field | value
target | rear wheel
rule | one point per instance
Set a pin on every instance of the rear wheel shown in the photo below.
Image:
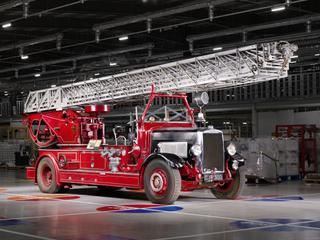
(231, 189)
(162, 184)
(46, 177)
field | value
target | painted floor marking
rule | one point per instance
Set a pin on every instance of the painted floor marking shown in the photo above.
(214, 233)
(236, 230)
(140, 208)
(25, 234)
(178, 237)
(183, 213)
(154, 210)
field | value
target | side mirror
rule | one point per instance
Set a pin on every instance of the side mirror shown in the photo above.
(201, 99)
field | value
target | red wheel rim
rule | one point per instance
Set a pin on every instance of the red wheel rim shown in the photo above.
(159, 181)
(46, 175)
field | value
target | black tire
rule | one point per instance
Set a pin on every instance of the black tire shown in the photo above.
(46, 177)
(108, 188)
(232, 189)
(162, 184)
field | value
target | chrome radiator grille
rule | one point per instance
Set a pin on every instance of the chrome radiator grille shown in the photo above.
(213, 151)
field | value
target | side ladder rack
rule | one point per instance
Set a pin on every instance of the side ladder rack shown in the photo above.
(246, 65)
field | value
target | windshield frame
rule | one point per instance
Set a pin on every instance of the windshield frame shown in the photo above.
(183, 97)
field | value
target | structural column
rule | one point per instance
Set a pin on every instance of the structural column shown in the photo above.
(254, 121)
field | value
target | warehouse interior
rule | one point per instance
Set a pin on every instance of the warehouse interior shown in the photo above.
(101, 52)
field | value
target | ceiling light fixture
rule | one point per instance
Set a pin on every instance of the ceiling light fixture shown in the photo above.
(113, 64)
(97, 74)
(217, 49)
(278, 8)
(317, 55)
(294, 56)
(37, 75)
(123, 38)
(24, 57)
(53, 85)
(6, 25)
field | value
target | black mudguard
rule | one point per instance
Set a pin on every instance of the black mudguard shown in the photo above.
(173, 160)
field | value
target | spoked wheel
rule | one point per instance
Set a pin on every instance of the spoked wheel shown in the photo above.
(231, 189)
(162, 184)
(46, 177)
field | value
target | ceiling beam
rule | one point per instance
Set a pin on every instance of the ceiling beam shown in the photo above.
(82, 57)
(251, 28)
(22, 44)
(13, 4)
(162, 13)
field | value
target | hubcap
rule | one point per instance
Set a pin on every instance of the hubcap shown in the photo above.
(158, 181)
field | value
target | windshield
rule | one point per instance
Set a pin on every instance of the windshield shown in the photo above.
(167, 109)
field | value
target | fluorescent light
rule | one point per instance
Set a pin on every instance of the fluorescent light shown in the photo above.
(217, 49)
(5, 91)
(293, 62)
(123, 38)
(6, 25)
(6, 94)
(294, 56)
(112, 64)
(244, 123)
(278, 8)
(53, 85)
(24, 57)
(97, 74)
(37, 75)
(317, 55)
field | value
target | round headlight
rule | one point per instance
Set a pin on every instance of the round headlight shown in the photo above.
(232, 150)
(196, 150)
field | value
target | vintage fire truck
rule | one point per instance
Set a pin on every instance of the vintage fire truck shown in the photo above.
(162, 150)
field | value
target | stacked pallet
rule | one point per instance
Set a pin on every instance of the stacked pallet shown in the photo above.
(288, 157)
(270, 158)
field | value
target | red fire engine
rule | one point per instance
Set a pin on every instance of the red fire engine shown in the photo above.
(163, 152)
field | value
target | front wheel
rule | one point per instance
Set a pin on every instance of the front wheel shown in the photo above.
(162, 184)
(46, 177)
(231, 189)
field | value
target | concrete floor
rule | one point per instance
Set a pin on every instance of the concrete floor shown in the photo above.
(290, 210)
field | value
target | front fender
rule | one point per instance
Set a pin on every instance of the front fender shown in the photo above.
(173, 160)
